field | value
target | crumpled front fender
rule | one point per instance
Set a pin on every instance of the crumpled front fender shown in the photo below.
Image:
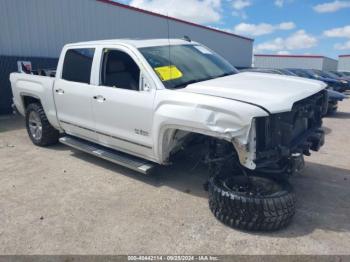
(225, 119)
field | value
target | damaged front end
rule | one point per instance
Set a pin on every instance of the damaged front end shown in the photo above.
(282, 139)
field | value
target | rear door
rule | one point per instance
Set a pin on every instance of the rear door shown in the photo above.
(123, 103)
(73, 94)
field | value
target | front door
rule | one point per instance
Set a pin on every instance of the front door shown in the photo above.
(74, 94)
(123, 105)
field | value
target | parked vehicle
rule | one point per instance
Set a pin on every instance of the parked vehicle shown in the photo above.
(140, 102)
(340, 75)
(309, 73)
(333, 96)
(342, 80)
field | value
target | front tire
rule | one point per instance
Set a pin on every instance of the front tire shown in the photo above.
(40, 131)
(262, 204)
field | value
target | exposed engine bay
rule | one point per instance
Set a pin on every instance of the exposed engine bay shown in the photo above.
(281, 140)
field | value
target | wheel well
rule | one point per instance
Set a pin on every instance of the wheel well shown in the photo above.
(27, 100)
(219, 154)
(179, 140)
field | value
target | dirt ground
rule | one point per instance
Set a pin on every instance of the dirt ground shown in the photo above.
(61, 201)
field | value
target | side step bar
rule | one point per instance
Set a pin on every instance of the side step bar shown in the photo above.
(117, 157)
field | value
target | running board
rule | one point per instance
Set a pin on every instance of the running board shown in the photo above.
(117, 157)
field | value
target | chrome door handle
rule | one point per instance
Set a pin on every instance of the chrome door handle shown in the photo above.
(59, 91)
(99, 98)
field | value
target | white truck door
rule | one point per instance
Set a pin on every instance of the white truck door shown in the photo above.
(73, 94)
(123, 104)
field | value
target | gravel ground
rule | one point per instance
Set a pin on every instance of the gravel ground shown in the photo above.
(61, 201)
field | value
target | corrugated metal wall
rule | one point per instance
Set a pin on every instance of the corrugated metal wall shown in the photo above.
(306, 62)
(344, 63)
(287, 62)
(329, 64)
(41, 27)
(8, 64)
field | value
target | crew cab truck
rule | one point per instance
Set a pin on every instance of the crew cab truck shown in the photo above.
(139, 102)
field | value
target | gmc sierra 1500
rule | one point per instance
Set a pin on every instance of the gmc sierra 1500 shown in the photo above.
(138, 102)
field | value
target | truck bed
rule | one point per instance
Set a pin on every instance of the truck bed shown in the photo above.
(38, 86)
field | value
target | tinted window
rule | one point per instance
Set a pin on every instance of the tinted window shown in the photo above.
(77, 65)
(119, 70)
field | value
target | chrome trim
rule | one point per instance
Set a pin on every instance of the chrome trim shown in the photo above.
(104, 134)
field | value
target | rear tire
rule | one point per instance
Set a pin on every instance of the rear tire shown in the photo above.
(251, 209)
(40, 131)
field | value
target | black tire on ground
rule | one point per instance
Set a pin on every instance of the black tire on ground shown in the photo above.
(49, 135)
(267, 207)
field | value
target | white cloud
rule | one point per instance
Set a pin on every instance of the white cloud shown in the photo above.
(198, 11)
(344, 46)
(296, 41)
(283, 52)
(330, 7)
(262, 29)
(286, 26)
(241, 4)
(338, 32)
(279, 3)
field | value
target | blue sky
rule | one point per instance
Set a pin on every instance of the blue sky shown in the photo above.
(278, 26)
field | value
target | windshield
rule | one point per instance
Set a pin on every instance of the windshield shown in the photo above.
(180, 65)
(337, 73)
(320, 73)
(301, 73)
(332, 75)
(287, 72)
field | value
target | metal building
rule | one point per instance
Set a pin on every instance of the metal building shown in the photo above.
(344, 63)
(39, 28)
(295, 61)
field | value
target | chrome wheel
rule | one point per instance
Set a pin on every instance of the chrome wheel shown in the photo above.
(35, 125)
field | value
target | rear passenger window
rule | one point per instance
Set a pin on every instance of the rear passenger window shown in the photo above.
(77, 65)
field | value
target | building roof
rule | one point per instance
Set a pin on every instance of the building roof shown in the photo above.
(172, 18)
(294, 56)
(344, 56)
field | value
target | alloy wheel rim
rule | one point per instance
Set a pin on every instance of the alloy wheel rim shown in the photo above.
(35, 125)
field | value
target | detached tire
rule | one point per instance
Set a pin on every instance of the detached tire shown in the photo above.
(40, 131)
(262, 205)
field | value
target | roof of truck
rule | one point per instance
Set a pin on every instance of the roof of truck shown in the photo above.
(138, 43)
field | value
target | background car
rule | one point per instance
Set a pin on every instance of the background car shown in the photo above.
(343, 80)
(333, 96)
(333, 84)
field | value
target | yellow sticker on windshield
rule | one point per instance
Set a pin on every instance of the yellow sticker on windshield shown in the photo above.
(167, 73)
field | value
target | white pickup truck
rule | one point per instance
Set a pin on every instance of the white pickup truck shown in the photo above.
(139, 102)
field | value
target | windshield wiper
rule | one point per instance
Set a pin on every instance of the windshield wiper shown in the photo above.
(183, 85)
(225, 74)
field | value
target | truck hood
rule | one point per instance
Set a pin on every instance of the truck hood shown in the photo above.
(274, 93)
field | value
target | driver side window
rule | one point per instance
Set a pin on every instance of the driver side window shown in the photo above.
(119, 70)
